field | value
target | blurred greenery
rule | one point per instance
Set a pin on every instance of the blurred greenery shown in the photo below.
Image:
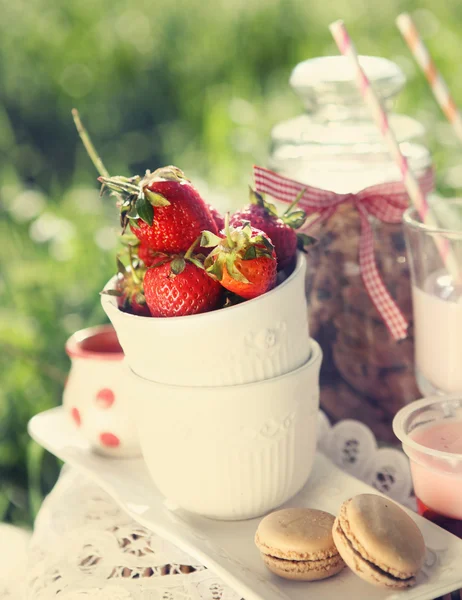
(185, 82)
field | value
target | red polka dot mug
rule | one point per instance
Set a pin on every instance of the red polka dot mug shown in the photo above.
(96, 396)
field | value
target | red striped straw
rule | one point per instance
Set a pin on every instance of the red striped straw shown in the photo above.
(423, 58)
(346, 47)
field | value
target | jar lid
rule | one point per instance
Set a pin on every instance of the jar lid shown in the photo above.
(331, 80)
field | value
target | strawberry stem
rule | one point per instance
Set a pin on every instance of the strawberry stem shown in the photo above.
(86, 140)
(190, 250)
(295, 202)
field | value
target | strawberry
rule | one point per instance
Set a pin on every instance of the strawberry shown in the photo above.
(165, 212)
(148, 256)
(180, 216)
(129, 288)
(243, 259)
(217, 217)
(263, 215)
(180, 286)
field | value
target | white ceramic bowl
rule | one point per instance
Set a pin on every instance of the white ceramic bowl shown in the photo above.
(97, 395)
(256, 340)
(232, 452)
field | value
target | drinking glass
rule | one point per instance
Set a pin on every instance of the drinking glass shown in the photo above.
(437, 297)
(431, 433)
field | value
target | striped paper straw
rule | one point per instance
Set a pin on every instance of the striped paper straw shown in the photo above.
(423, 58)
(346, 47)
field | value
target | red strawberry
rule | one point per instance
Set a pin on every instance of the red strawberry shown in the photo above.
(164, 210)
(243, 260)
(181, 214)
(129, 288)
(217, 217)
(148, 256)
(181, 286)
(263, 215)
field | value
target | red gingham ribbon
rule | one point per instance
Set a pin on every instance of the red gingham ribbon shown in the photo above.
(386, 201)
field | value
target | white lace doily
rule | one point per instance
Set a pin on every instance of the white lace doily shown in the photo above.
(84, 547)
(352, 446)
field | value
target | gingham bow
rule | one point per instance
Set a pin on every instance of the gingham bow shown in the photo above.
(386, 202)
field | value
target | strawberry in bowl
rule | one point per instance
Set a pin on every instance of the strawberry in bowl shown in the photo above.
(263, 215)
(163, 209)
(167, 304)
(178, 285)
(243, 259)
(128, 287)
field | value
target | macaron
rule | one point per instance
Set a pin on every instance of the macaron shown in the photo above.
(296, 543)
(379, 541)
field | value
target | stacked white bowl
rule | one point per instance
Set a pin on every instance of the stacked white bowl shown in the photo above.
(226, 402)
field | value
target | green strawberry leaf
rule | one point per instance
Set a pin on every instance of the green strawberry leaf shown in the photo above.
(255, 197)
(155, 199)
(293, 204)
(111, 293)
(262, 239)
(304, 240)
(271, 209)
(259, 200)
(119, 184)
(144, 210)
(120, 266)
(196, 262)
(210, 259)
(264, 253)
(232, 270)
(126, 206)
(246, 229)
(133, 223)
(295, 219)
(209, 239)
(132, 214)
(177, 265)
(170, 173)
(216, 268)
(250, 253)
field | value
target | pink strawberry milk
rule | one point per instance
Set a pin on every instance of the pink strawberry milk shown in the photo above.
(431, 433)
(438, 488)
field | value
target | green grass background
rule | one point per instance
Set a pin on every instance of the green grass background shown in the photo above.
(197, 84)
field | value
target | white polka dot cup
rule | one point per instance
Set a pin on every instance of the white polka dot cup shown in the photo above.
(96, 396)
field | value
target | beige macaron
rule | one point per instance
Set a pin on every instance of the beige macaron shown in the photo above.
(296, 543)
(379, 541)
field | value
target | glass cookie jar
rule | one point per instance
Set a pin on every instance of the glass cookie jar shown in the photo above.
(335, 145)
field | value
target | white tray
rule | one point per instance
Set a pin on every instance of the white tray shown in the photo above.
(228, 548)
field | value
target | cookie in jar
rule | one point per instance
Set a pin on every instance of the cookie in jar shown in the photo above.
(358, 282)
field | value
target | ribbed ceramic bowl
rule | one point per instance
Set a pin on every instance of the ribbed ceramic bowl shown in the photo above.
(253, 341)
(232, 452)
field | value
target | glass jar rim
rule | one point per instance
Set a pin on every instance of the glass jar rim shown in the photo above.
(410, 221)
(403, 415)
